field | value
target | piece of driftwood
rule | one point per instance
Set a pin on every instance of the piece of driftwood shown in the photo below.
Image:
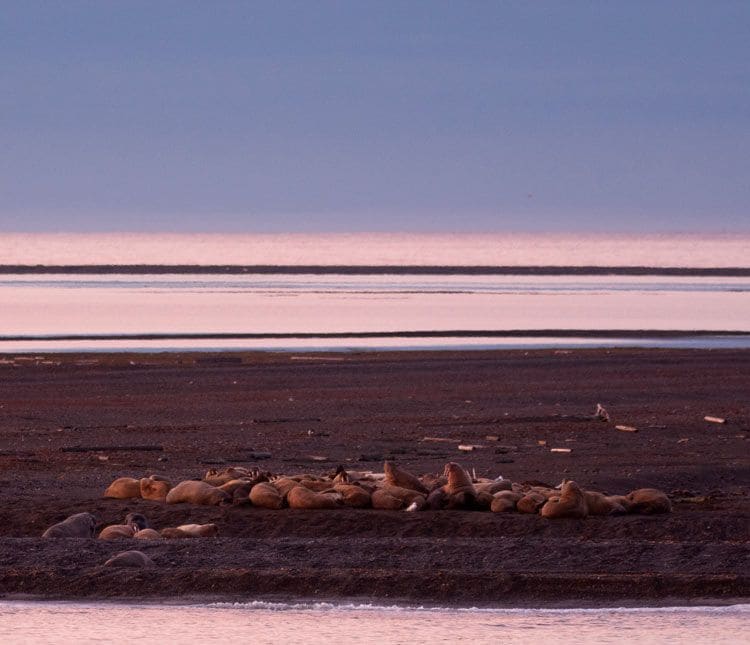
(601, 413)
(626, 428)
(560, 450)
(150, 448)
(438, 439)
(714, 419)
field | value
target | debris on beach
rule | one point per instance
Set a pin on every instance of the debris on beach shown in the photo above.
(601, 413)
(626, 428)
(711, 419)
(560, 450)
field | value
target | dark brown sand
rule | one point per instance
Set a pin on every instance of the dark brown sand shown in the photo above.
(70, 424)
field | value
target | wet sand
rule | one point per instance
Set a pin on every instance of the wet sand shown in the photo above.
(71, 423)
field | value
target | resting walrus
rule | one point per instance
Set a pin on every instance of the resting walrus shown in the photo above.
(124, 488)
(199, 530)
(195, 492)
(266, 495)
(302, 497)
(600, 504)
(155, 488)
(571, 503)
(117, 532)
(648, 501)
(80, 525)
(505, 501)
(129, 559)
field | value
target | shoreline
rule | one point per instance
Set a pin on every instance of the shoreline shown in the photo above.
(69, 426)
(373, 269)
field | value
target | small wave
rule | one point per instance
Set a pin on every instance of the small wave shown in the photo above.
(262, 605)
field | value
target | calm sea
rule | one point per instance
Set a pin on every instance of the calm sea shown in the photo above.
(355, 291)
(262, 622)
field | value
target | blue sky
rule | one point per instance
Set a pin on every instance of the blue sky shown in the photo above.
(364, 116)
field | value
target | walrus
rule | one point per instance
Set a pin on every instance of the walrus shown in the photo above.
(531, 502)
(600, 504)
(571, 503)
(80, 525)
(137, 521)
(284, 485)
(384, 501)
(124, 488)
(437, 499)
(505, 501)
(493, 486)
(130, 559)
(302, 497)
(648, 501)
(353, 495)
(147, 534)
(171, 533)
(458, 480)
(216, 477)
(317, 485)
(396, 476)
(117, 532)
(266, 495)
(233, 485)
(241, 494)
(406, 495)
(154, 488)
(199, 530)
(195, 492)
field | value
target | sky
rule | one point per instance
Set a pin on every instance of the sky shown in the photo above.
(388, 115)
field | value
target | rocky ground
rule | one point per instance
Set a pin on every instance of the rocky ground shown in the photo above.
(70, 424)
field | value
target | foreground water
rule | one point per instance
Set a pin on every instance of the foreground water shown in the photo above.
(262, 622)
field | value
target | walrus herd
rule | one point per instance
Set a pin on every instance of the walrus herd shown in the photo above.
(393, 489)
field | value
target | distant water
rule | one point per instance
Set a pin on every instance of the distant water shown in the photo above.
(287, 310)
(262, 622)
(397, 249)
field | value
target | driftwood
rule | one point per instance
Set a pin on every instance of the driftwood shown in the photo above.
(626, 428)
(438, 439)
(715, 419)
(559, 450)
(151, 448)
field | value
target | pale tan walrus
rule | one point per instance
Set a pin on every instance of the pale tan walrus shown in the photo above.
(124, 488)
(384, 501)
(505, 501)
(199, 530)
(353, 495)
(154, 488)
(80, 525)
(301, 497)
(195, 492)
(648, 501)
(266, 495)
(147, 534)
(117, 532)
(600, 504)
(130, 559)
(396, 476)
(218, 477)
(571, 503)
(284, 485)
(531, 502)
